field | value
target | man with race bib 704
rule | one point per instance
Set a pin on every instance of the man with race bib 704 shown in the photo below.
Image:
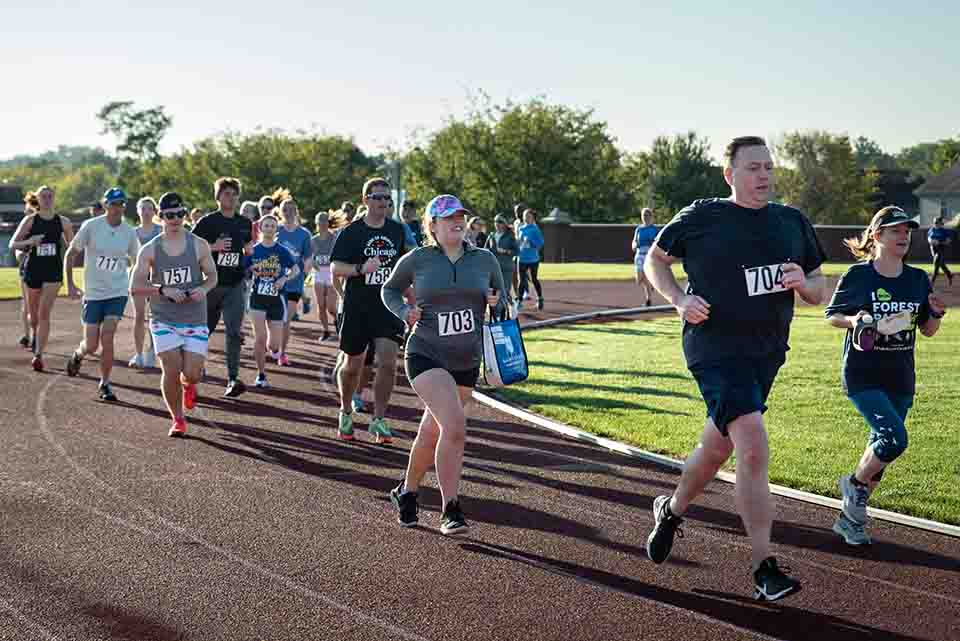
(744, 257)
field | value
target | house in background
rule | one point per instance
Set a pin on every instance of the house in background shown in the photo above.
(940, 196)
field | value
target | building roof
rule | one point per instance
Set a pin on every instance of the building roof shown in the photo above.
(946, 183)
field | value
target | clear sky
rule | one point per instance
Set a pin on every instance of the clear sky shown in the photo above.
(378, 71)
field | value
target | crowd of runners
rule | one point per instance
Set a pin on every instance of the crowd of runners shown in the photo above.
(422, 286)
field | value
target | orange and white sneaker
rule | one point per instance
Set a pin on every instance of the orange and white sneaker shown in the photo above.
(189, 395)
(179, 428)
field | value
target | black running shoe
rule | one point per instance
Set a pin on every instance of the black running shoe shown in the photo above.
(452, 521)
(25, 342)
(406, 504)
(73, 364)
(33, 344)
(106, 394)
(235, 388)
(771, 582)
(540, 304)
(665, 526)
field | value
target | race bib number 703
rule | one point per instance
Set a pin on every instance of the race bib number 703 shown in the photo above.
(766, 279)
(453, 323)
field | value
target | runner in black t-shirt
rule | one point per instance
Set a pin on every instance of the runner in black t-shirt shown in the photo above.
(881, 302)
(231, 237)
(365, 253)
(744, 258)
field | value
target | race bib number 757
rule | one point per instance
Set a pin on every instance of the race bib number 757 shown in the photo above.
(766, 279)
(176, 276)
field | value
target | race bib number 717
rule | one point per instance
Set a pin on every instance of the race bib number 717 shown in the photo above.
(109, 263)
(766, 279)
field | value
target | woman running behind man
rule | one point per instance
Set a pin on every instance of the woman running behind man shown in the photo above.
(881, 302)
(454, 283)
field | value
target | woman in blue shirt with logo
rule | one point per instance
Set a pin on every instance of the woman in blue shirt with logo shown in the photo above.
(531, 242)
(881, 302)
(643, 237)
(939, 239)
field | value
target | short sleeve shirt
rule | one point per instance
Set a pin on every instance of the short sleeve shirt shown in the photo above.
(732, 256)
(271, 263)
(359, 242)
(108, 254)
(890, 364)
(643, 236)
(239, 230)
(298, 244)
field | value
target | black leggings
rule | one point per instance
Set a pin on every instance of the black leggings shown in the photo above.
(940, 262)
(533, 268)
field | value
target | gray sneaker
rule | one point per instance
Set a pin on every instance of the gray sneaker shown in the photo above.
(854, 499)
(853, 533)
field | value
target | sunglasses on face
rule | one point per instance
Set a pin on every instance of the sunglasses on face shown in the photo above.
(384, 197)
(170, 215)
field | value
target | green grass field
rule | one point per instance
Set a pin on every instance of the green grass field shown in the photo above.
(628, 381)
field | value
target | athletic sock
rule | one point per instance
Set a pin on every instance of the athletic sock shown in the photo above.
(853, 479)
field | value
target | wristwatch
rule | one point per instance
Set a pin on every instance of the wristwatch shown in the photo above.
(937, 316)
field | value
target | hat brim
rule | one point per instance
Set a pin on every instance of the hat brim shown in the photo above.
(454, 212)
(913, 224)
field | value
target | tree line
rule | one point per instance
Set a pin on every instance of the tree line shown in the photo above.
(542, 154)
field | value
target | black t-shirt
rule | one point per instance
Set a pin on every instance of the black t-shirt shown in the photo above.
(732, 256)
(889, 365)
(359, 242)
(214, 226)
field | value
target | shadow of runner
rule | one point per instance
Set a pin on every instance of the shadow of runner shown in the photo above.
(776, 620)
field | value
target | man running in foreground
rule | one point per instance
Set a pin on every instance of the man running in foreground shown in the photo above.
(744, 257)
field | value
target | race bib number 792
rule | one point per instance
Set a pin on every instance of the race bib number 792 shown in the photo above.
(228, 259)
(766, 279)
(453, 323)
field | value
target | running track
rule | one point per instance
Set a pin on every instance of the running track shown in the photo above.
(262, 525)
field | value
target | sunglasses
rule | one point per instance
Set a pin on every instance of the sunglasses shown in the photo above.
(386, 197)
(170, 215)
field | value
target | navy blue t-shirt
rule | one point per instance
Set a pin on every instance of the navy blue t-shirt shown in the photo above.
(889, 365)
(271, 263)
(732, 256)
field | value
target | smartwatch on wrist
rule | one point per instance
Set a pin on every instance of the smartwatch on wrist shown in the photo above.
(160, 291)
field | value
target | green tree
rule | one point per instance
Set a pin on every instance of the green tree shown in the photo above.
(869, 155)
(821, 178)
(139, 131)
(928, 159)
(542, 154)
(675, 172)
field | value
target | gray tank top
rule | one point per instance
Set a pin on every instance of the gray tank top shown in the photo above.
(177, 271)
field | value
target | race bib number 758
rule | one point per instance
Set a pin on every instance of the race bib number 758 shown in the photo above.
(378, 277)
(453, 323)
(766, 279)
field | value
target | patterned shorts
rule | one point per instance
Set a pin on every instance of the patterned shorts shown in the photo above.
(168, 336)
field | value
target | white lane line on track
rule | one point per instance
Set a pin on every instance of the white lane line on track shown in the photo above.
(359, 615)
(33, 625)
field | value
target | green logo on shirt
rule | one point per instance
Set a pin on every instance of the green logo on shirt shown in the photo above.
(883, 295)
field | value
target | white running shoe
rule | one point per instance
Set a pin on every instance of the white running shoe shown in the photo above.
(136, 361)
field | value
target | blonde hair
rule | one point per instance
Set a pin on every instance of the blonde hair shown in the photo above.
(428, 238)
(864, 247)
(146, 200)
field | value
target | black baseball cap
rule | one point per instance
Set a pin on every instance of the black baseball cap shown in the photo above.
(890, 216)
(171, 201)
(97, 204)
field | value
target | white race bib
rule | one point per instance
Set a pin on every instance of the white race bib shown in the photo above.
(321, 259)
(453, 323)
(228, 259)
(177, 276)
(110, 264)
(766, 279)
(47, 249)
(266, 288)
(378, 277)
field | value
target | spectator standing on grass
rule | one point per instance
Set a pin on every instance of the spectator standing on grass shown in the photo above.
(643, 237)
(530, 239)
(744, 257)
(881, 302)
(504, 246)
(940, 238)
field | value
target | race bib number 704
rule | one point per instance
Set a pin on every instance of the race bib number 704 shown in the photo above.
(766, 279)
(453, 323)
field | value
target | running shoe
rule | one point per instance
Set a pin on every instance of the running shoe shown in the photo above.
(540, 304)
(406, 504)
(452, 520)
(666, 525)
(25, 342)
(136, 361)
(380, 431)
(261, 381)
(235, 388)
(306, 306)
(357, 403)
(179, 428)
(325, 337)
(189, 395)
(283, 360)
(649, 302)
(105, 392)
(37, 363)
(73, 364)
(854, 499)
(149, 359)
(852, 532)
(296, 316)
(345, 428)
(771, 582)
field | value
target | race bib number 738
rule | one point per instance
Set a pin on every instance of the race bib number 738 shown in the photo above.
(453, 323)
(766, 279)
